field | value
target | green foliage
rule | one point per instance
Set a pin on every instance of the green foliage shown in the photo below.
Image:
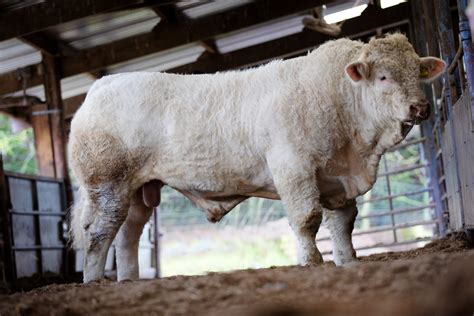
(226, 255)
(18, 149)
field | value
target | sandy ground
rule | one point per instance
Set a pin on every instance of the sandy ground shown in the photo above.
(435, 280)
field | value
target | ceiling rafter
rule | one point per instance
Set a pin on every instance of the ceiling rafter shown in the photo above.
(168, 36)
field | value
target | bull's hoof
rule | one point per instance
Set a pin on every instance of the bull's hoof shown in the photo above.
(314, 260)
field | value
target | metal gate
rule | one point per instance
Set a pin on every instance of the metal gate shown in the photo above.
(34, 229)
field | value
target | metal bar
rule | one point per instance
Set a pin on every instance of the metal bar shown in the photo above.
(406, 144)
(37, 213)
(156, 241)
(30, 177)
(383, 245)
(37, 226)
(454, 63)
(397, 211)
(388, 228)
(46, 112)
(390, 201)
(401, 170)
(37, 247)
(395, 196)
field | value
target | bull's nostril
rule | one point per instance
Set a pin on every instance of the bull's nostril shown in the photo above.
(414, 110)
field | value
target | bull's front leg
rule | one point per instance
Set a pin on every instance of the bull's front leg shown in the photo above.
(295, 181)
(340, 223)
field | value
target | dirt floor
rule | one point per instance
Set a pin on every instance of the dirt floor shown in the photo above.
(435, 280)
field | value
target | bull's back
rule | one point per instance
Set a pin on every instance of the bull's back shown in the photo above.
(188, 128)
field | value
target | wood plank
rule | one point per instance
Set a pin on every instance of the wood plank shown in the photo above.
(32, 19)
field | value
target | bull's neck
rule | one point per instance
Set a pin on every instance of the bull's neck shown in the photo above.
(372, 135)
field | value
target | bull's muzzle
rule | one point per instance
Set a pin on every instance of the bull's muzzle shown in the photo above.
(420, 111)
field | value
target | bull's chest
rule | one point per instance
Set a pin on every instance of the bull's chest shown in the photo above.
(346, 175)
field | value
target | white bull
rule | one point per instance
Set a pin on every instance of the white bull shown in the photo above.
(309, 131)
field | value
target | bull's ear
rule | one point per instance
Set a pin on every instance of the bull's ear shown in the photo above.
(357, 71)
(431, 68)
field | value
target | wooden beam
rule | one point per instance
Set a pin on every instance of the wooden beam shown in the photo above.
(8, 102)
(12, 81)
(371, 19)
(35, 18)
(169, 14)
(49, 45)
(72, 104)
(170, 36)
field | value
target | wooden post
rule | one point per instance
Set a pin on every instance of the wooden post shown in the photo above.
(54, 101)
(43, 141)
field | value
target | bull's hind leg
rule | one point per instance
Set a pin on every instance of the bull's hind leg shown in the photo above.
(340, 223)
(105, 212)
(128, 238)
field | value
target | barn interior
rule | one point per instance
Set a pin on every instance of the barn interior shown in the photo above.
(414, 229)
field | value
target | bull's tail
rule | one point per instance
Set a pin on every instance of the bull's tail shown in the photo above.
(76, 238)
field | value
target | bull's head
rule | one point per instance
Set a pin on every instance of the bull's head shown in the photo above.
(388, 73)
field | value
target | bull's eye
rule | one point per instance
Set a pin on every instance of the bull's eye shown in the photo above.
(382, 78)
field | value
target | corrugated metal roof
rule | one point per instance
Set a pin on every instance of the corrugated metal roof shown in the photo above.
(160, 61)
(105, 28)
(15, 54)
(76, 85)
(198, 11)
(260, 33)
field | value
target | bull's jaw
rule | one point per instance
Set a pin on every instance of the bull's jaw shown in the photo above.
(406, 127)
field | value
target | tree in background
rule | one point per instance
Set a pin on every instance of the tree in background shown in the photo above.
(18, 150)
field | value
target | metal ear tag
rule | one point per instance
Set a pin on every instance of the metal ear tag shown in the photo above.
(424, 72)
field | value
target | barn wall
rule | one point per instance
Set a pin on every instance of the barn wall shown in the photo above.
(461, 146)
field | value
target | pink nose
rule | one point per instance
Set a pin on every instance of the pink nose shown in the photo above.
(420, 110)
